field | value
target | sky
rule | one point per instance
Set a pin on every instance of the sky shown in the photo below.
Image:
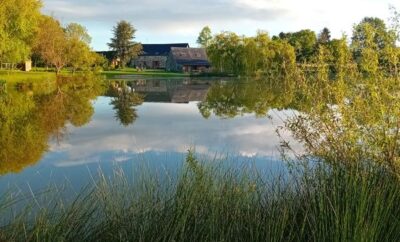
(180, 21)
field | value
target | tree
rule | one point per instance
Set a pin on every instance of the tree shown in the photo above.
(304, 43)
(64, 47)
(324, 37)
(77, 32)
(79, 54)
(372, 33)
(226, 52)
(342, 60)
(257, 55)
(123, 44)
(370, 38)
(204, 37)
(51, 43)
(18, 24)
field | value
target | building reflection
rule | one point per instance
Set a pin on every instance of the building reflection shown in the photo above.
(164, 91)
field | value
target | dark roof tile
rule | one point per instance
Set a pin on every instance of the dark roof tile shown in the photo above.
(160, 49)
(190, 56)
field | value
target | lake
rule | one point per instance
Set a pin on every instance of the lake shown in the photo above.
(65, 131)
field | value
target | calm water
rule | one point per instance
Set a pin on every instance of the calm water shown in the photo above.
(66, 131)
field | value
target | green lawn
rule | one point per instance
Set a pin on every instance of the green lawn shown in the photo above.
(20, 76)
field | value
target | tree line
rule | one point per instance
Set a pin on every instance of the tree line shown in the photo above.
(371, 49)
(27, 34)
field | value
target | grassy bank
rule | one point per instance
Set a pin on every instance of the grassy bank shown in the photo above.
(42, 74)
(20, 76)
(207, 203)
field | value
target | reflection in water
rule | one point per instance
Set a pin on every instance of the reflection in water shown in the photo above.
(164, 91)
(253, 96)
(171, 119)
(28, 119)
(124, 101)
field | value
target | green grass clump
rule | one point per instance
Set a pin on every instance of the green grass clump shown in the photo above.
(214, 203)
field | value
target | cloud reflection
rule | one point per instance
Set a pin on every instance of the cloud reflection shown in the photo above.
(168, 127)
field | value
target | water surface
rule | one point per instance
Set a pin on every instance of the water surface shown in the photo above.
(69, 129)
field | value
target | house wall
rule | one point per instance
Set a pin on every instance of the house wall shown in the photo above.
(150, 62)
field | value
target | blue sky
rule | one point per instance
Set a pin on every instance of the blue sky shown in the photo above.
(162, 21)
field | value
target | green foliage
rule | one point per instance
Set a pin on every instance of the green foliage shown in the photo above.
(18, 24)
(77, 32)
(80, 56)
(341, 60)
(28, 117)
(352, 122)
(51, 43)
(240, 97)
(61, 47)
(204, 37)
(374, 46)
(225, 52)
(230, 53)
(123, 44)
(303, 41)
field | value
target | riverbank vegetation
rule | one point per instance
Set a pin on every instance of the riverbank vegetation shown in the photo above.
(372, 50)
(209, 203)
(26, 34)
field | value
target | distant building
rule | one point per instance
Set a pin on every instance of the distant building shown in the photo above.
(188, 60)
(154, 56)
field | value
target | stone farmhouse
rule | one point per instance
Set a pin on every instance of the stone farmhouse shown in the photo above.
(177, 57)
(188, 60)
(154, 56)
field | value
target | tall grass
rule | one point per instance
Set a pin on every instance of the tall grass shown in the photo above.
(213, 203)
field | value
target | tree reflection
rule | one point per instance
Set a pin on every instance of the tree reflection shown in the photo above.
(124, 101)
(258, 96)
(29, 119)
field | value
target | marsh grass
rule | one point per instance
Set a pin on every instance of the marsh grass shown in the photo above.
(206, 202)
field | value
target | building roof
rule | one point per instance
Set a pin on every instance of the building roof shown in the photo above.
(160, 49)
(190, 56)
(148, 50)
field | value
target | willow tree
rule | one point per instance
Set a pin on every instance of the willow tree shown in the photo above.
(123, 42)
(226, 52)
